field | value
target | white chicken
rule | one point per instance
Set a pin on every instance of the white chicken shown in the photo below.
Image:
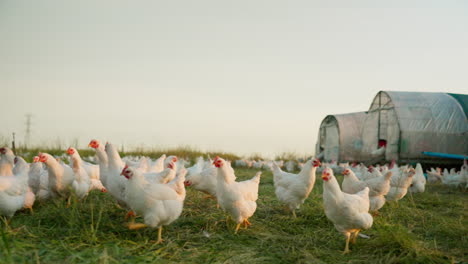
(378, 187)
(94, 175)
(370, 173)
(198, 166)
(165, 176)
(158, 203)
(453, 178)
(257, 164)
(359, 170)
(434, 175)
(158, 164)
(35, 170)
(21, 166)
(351, 183)
(81, 184)
(348, 212)
(115, 184)
(83, 178)
(13, 187)
(39, 180)
(61, 176)
(202, 177)
(290, 165)
(399, 184)
(178, 183)
(102, 159)
(464, 173)
(240, 163)
(293, 189)
(204, 181)
(237, 198)
(419, 181)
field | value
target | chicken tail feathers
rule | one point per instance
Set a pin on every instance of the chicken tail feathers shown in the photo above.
(256, 178)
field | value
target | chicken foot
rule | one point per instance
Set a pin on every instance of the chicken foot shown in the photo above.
(136, 226)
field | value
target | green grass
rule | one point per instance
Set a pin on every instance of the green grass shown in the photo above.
(423, 228)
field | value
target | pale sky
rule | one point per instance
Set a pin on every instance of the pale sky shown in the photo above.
(238, 76)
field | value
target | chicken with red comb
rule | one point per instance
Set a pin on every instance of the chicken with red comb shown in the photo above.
(61, 176)
(82, 183)
(91, 170)
(239, 199)
(202, 177)
(159, 204)
(348, 212)
(103, 160)
(39, 179)
(293, 189)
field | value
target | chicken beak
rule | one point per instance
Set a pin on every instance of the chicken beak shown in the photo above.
(325, 176)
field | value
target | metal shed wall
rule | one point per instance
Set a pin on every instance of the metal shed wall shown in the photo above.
(413, 122)
(340, 137)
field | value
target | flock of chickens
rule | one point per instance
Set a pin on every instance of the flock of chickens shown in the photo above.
(155, 189)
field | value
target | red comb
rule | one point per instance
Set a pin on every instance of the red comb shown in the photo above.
(123, 170)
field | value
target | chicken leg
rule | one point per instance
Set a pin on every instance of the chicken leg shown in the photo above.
(346, 250)
(247, 223)
(160, 240)
(355, 237)
(69, 201)
(237, 228)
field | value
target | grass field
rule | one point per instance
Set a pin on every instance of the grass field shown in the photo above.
(423, 228)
